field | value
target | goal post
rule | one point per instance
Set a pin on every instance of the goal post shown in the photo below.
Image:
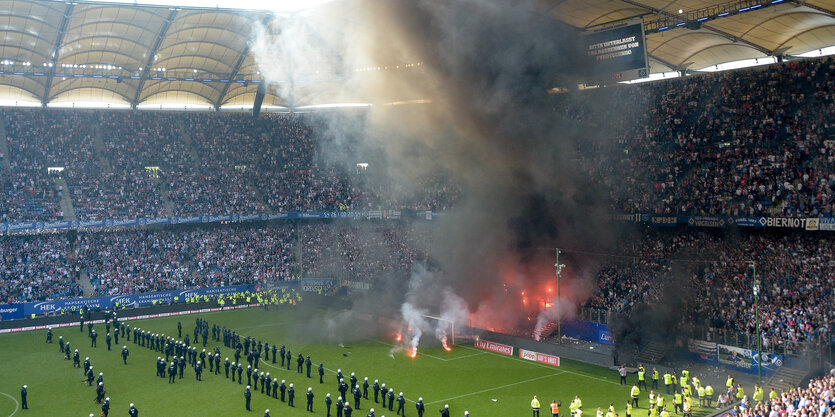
(441, 327)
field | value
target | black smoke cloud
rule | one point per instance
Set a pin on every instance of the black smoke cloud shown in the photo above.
(486, 67)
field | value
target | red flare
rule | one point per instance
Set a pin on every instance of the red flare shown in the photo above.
(413, 352)
(444, 343)
(398, 337)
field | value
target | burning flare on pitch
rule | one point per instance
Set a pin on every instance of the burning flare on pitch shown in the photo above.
(398, 337)
(413, 352)
(445, 344)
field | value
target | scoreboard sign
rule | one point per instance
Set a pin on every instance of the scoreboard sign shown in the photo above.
(617, 53)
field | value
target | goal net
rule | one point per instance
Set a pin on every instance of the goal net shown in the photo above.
(444, 329)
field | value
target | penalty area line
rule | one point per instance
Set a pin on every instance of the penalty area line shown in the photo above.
(16, 404)
(496, 388)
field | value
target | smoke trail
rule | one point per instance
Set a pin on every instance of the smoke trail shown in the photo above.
(415, 322)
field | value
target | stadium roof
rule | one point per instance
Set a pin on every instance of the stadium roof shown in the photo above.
(69, 52)
(694, 34)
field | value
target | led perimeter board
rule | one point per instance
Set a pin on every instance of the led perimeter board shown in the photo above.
(616, 53)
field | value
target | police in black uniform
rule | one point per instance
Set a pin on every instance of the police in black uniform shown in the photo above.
(343, 389)
(248, 397)
(310, 399)
(401, 402)
(93, 337)
(240, 372)
(274, 350)
(108, 340)
(172, 372)
(348, 410)
(100, 392)
(328, 403)
(226, 368)
(125, 354)
(339, 407)
(288, 356)
(391, 399)
(283, 388)
(308, 364)
(281, 355)
(384, 391)
(376, 390)
(420, 407)
(49, 335)
(357, 396)
(445, 411)
(105, 407)
(299, 363)
(133, 411)
(365, 388)
(23, 403)
(291, 395)
(275, 387)
(321, 371)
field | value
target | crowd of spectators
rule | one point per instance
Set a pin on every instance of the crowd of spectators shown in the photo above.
(37, 268)
(28, 195)
(361, 252)
(127, 262)
(125, 164)
(712, 278)
(817, 398)
(749, 142)
(115, 195)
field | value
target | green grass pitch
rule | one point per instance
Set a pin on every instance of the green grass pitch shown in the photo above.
(465, 378)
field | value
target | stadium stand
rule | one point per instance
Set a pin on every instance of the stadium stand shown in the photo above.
(817, 398)
(747, 142)
(206, 163)
(36, 268)
(795, 299)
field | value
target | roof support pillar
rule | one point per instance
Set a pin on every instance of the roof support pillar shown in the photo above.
(152, 53)
(53, 59)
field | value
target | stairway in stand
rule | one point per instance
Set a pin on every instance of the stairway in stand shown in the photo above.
(4, 144)
(652, 353)
(66, 202)
(785, 378)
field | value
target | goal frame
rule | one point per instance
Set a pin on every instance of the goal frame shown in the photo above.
(451, 339)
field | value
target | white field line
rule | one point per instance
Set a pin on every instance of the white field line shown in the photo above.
(16, 404)
(495, 388)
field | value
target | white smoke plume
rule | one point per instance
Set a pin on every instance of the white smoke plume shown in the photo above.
(413, 318)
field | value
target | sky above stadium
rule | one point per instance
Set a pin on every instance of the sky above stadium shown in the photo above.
(282, 6)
